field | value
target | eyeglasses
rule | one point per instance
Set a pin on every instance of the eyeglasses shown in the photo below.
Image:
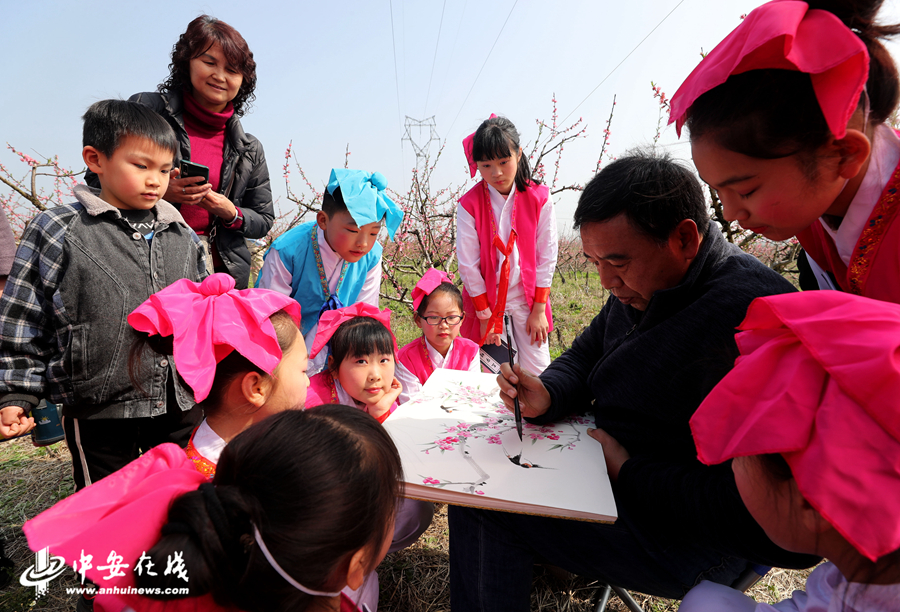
(451, 320)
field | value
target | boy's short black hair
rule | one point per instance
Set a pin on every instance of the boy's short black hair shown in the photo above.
(333, 203)
(655, 192)
(108, 122)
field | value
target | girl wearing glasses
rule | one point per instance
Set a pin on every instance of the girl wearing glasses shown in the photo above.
(439, 312)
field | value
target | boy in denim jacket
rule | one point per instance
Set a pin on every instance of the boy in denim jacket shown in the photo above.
(80, 269)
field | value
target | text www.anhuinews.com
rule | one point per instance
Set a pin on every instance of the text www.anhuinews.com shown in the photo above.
(114, 590)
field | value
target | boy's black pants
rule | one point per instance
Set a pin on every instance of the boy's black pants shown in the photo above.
(99, 447)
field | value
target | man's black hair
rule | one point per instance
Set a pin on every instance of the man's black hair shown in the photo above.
(655, 192)
(108, 122)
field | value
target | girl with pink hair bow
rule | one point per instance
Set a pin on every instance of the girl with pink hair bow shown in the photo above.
(788, 119)
(361, 360)
(438, 306)
(815, 448)
(360, 372)
(241, 352)
(506, 246)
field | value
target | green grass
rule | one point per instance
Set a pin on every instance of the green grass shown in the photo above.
(31, 480)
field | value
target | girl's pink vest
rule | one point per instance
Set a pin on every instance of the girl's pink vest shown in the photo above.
(414, 356)
(526, 213)
(874, 269)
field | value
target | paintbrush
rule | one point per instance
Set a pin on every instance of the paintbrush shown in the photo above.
(509, 345)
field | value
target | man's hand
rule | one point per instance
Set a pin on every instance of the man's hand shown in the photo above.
(534, 399)
(13, 422)
(615, 453)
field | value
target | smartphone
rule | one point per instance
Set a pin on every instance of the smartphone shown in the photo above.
(189, 169)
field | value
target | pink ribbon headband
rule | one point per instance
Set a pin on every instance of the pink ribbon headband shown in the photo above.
(468, 145)
(208, 320)
(428, 283)
(332, 319)
(818, 381)
(786, 34)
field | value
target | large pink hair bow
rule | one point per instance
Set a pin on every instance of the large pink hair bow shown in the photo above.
(332, 319)
(123, 512)
(818, 381)
(428, 283)
(786, 34)
(468, 145)
(208, 320)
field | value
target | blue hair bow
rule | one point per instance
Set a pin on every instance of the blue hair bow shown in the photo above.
(363, 194)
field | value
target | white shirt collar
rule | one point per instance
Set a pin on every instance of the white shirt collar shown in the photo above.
(208, 443)
(435, 356)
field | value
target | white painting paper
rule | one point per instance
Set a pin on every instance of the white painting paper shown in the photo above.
(457, 435)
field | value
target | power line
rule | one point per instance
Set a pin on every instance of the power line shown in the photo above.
(484, 64)
(620, 63)
(396, 79)
(452, 53)
(436, 45)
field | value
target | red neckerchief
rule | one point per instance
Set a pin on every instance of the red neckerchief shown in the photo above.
(495, 323)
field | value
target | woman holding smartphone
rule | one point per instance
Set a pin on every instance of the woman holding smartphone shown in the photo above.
(210, 85)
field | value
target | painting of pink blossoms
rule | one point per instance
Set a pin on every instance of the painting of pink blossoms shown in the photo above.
(458, 444)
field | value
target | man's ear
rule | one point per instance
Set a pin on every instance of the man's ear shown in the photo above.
(322, 219)
(854, 149)
(255, 388)
(93, 159)
(686, 238)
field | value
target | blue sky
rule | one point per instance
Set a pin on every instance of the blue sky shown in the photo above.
(326, 72)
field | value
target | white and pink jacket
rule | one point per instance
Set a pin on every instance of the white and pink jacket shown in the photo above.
(533, 259)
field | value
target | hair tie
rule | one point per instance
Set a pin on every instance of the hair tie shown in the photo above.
(219, 519)
(262, 546)
(209, 320)
(365, 199)
(832, 379)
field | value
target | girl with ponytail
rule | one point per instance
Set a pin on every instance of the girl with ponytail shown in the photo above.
(302, 505)
(506, 246)
(787, 121)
